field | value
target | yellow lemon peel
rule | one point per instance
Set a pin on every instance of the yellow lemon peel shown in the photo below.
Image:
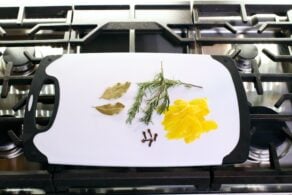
(186, 120)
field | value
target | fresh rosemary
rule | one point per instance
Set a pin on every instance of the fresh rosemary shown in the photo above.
(159, 99)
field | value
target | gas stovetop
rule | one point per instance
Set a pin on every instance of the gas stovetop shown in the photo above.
(257, 36)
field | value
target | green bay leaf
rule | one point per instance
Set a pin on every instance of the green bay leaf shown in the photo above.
(115, 91)
(110, 109)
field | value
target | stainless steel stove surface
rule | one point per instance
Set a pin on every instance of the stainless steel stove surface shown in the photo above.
(257, 35)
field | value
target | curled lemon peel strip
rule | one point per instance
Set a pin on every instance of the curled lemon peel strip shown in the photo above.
(186, 120)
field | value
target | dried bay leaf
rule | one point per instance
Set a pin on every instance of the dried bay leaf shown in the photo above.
(115, 91)
(110, 109)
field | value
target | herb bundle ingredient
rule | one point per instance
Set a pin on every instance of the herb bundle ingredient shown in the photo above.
(115, 91)
(159, 97)
(110, 109)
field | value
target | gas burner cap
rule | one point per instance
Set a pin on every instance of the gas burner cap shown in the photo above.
(7, 148)
(247, 51)
(21, 65)
(246, 56)
(265, 133)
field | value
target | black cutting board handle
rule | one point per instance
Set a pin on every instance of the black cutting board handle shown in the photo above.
(240, 153)
(40, 78)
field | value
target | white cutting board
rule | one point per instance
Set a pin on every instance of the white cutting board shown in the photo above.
(80, 135)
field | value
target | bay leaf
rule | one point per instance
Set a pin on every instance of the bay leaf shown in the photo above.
(115, 91)
(110, 109)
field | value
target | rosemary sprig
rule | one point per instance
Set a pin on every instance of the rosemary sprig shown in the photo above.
(159, 99)
(138, 101)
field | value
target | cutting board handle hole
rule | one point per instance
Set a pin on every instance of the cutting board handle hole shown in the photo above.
(30, 101)
(45, 105)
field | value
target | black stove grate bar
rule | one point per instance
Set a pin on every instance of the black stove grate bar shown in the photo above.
(32, 59)
(279, 25)
(258, 81)
(233, 40)
(52, 42)
(27, 179)
(45, 99)
(18, 80)
(21, 103)
(274, 160)
(68, 23)
(176, 38)
(282, 99)
(50, 26)
(19, 121)
(243, 13)
(15, 138)
(94, 32)
(251, 176)
(270, 117)
(277, 58)
(204, 178)
(265, 77)
(257, 78)
(149, 26)
(2, 32)
(288, 133)
(5, 83)
(94, 178)
(206, 25)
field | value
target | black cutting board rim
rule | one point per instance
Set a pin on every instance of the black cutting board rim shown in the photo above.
(238, 155)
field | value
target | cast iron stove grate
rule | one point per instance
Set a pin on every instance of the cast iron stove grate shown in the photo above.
(64, 26)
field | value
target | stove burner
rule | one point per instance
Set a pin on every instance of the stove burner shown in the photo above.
(247, 52)
(265, 133)
(7, 148)
(21, 64)
(246, 56)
